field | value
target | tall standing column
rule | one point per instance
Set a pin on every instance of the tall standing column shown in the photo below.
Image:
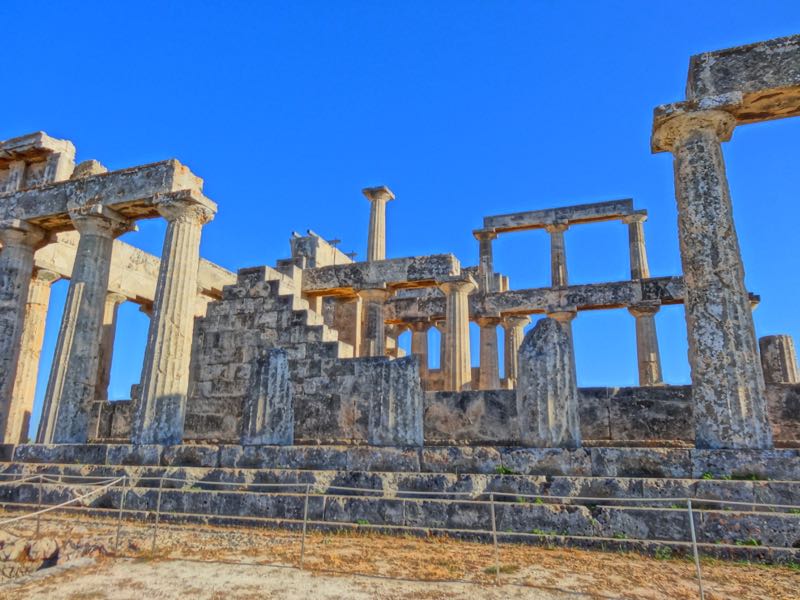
(378, 197)
(457, 369)
(373, 326)
(71, 387)
(29, 354)
(647, 351)
(441, 327)
(485, 260)
(558, 254)
(107, 344)
(20, 240)
(419, 345)
(727, 382)
(638, 252)
(489, 378)
(514, 332)
(160, 411)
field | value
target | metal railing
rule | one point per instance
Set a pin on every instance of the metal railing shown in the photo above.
(99, 485)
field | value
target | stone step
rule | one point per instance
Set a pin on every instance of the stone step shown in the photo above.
(610, 521)
(663, 492)
(677, 463)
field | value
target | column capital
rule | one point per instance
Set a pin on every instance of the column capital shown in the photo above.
(186, 205)
(96, 219)
(644, 309)
(674, 130)
(418, 325)
(640, 216)
(15, 232)
(458, 284)
(485, 234)
(512, 321)
(45, 276)
(441, 326)
(488, 321)
(115, 298)
(376, 294)
(563, 314)
(557, 226)
(381, 193)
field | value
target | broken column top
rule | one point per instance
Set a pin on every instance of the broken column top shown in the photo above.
(378, 193)
(33, 147)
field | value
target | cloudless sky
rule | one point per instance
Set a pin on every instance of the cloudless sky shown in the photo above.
(464, 108)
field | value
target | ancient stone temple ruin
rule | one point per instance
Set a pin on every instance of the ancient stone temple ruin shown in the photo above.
(295, 370)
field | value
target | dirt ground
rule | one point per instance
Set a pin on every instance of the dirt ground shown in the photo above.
(216, 562)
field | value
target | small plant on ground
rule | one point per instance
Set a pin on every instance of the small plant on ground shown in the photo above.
(620, 536)
(748, 542)
(503, 470)
(538, 501)
(504, 569)
(707, 475)
(663, 553)
(362, 522)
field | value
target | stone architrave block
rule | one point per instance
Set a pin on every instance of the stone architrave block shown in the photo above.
(268, 416)
(396, 406)
(547, 393)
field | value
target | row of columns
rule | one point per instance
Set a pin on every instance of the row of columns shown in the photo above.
(82, 360)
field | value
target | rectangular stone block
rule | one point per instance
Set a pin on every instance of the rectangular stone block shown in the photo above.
(547, 461)
(127, 454)
(190, 455)
(640, 462)
(461, 459)
(89, 454)
(745, 464)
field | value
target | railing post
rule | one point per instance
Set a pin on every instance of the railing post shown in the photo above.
(694, 549)
(121, 508)
(158, 515)
(305, 522)
(39, 507)
(494, 540)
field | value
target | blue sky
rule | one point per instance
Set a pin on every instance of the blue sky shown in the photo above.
(463, 108)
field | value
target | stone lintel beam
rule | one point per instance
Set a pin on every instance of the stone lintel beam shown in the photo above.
(766, 74)
(33, 147)
(129, 192)
(539, 219)
(394, 273)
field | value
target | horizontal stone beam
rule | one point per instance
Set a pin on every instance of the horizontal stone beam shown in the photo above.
(128, 191)
(134, 272)
(580, 213)
(32, 147)
(593, 296)
(394, 273)
(765, 74)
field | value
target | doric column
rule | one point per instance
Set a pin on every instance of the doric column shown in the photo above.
(107, 344)
(514, 330)
(71, 387)
(30, 351)
(485, 261)
(639, 267)
(373, 327)
(419, 344)
(19, 240)
(378, 197)
(647, 352)
(778, 359)
(558, 254)
(15, 177)
(564, 315)
(727, 382)
(441, 327)
(159, 414)
(457, 369)
(490, 359)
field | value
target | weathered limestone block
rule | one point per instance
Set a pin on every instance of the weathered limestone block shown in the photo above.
(395, 407)
(268, 416)
(727, 382)
(778, 359)
(547, 393)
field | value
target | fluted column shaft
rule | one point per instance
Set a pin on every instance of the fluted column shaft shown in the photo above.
(638, 252)
(419, 345)
(107, 344)
(485, 260)
(489, 378)
(30, 351)
(19, 240)
(778, 359)
(441, 327)
(373, 327)
(647, 351)
(160, 412)
(727, 382)
(514, 332)
(457, 369)
(558, 254)
(71, 387)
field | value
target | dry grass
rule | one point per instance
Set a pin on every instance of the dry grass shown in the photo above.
(609, 574)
